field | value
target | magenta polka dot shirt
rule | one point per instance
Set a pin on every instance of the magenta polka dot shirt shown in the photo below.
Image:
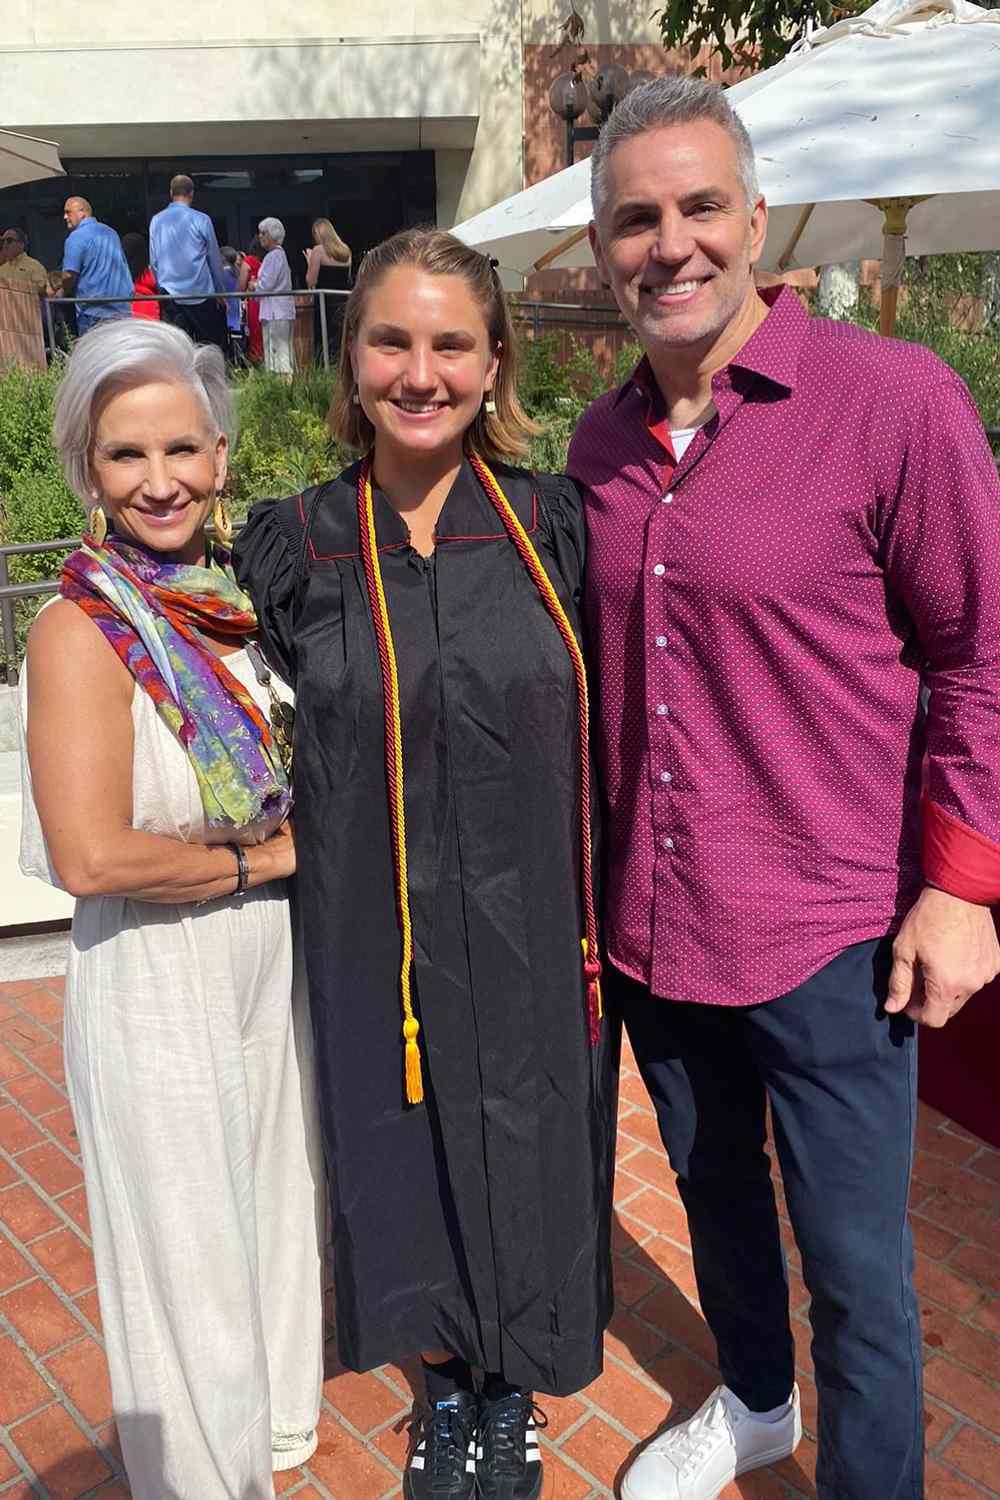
(762, 616)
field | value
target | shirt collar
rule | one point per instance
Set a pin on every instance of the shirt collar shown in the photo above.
(771, 351)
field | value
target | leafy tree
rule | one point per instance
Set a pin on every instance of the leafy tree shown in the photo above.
(747, 35)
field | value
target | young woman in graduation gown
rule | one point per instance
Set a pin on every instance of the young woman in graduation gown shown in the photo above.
(425, 605)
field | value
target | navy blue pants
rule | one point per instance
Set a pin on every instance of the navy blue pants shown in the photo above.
(840, 1077)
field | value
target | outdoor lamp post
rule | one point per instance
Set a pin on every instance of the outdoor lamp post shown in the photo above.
(571, 96)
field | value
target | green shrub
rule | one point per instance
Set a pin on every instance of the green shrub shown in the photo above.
(26, 398)
(543, 383)
(35, 502)
(284, 441)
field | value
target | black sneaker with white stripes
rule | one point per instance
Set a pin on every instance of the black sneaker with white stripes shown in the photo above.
(442, 1465)
(508, 1462)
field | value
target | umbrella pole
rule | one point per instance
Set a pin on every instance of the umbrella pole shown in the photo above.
(559, 249)
(894, 211)
(784, 259)
(893, 256)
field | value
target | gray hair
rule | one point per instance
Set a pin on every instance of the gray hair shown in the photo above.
(274, 229)
(671, 101)
(118, 355)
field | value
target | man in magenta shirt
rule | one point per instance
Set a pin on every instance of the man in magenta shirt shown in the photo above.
(794, 527)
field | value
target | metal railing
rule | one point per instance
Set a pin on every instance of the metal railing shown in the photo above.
(322, 292)
(535, 313)
(540, 316)
(10, 593)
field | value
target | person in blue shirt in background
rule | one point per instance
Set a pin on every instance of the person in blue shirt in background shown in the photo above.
(184, 254)
(94, 265)
(234, 309)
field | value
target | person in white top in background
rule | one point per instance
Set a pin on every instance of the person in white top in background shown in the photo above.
(277, 314)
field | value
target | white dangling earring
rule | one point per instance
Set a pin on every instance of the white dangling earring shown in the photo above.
(489, 406)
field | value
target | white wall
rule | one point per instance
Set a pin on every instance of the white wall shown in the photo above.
(620, 23)
(114, 78)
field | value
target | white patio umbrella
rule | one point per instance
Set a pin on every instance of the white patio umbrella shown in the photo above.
(25, 158)
(880, 128)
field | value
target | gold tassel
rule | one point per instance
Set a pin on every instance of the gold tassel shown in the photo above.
(414, 1074)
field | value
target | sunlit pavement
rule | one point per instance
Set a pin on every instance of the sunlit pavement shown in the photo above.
(57, 1437)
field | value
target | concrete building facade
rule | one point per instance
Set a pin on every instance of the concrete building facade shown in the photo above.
(395, 112)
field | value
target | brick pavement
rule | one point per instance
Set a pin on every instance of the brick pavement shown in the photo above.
(57, 1438)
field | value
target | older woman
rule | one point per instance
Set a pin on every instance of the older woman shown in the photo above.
(426, 603)
(157, 793)
(277, 313)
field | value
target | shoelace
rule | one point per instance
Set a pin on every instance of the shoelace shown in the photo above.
(446, 1439)
(686, 1449)
(504, 1434)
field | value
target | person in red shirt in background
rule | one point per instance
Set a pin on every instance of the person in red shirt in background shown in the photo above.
(249, 268)
(136, 248)
(793, 527)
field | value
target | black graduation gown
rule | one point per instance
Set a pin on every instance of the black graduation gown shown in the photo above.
(480, 1222)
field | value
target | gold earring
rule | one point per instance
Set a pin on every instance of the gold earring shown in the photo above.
(97, 525)
(223, 522)
(489, 406)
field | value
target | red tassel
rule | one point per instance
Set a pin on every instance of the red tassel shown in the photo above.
(594, 1011)
(595, 1003)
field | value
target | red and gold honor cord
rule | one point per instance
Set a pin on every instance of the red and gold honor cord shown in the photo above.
(394, 751)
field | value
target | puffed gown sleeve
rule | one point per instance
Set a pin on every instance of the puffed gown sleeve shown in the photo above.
(563, 529)
(266, 559)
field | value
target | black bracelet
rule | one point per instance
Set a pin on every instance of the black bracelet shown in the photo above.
(243, 866)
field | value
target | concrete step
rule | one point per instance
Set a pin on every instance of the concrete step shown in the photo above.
(25, 903)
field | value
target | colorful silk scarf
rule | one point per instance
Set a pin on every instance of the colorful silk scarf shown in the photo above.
(150, 612)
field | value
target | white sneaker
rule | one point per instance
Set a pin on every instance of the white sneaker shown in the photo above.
(698, 1458)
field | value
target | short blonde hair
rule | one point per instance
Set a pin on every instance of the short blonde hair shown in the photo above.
(495, 435)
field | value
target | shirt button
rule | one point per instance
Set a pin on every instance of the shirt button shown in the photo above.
(666, 499)
(662, 710)
(661, 640)
(666, 776)
(659, 570)
(668, 843)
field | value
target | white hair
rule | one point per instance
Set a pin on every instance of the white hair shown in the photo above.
(119, 355)
(671, 101)
(274, 229)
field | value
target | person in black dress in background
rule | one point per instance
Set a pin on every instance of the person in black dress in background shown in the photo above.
(425, 606)
(328, 265)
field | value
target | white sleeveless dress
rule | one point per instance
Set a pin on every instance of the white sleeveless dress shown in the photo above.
(190, 1073)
